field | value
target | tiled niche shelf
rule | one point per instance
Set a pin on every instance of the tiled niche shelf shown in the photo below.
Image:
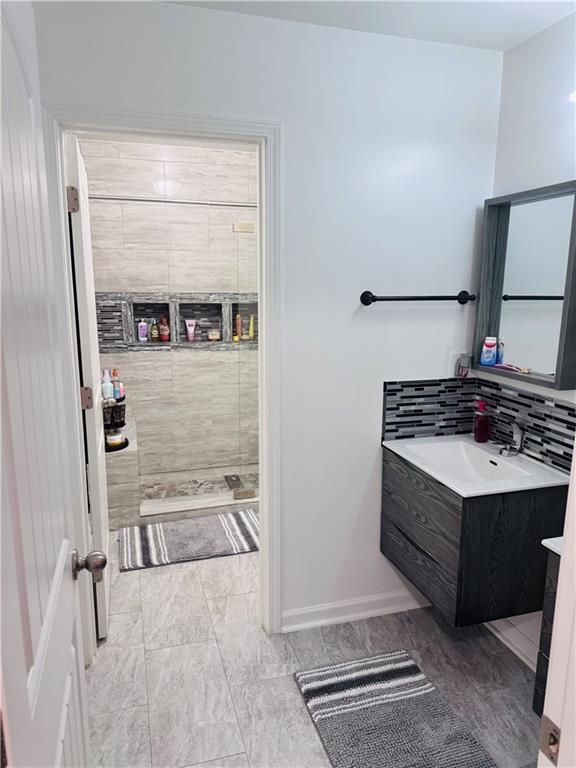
(118, 315)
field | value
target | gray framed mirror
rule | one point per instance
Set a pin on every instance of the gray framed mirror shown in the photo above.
(527, 296)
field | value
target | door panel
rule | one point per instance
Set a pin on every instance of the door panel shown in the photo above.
(81, 246)
(42, 661)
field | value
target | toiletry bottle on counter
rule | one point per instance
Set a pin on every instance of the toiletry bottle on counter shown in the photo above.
(481, 423)
(489, 353)
(500, 353)
(142, 330)
(107, 386)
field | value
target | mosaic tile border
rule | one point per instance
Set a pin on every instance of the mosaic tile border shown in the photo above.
(446, 407)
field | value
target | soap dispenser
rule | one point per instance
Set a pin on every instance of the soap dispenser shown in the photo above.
(481, 423)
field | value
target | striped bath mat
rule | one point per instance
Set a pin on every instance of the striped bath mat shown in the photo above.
(199, 538)
(382, 712)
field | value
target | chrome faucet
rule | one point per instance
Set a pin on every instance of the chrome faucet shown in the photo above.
(517, 445)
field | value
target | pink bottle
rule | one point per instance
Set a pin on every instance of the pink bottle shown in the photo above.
(481, 423)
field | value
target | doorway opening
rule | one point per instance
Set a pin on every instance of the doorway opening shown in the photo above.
(173, 248)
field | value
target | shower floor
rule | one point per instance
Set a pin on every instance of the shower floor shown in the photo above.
(197, 492)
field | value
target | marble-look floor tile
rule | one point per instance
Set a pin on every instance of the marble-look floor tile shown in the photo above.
(327, 645)
(234, 761)
(384, 633)
(124, 590)
(192, 717)
(121, 739)
(117, 680)
(124, 631)
(235, 575)
(511, 731)
(509, 708)
(173, 607)
(248, 652)
(425, 627)
(276, 727)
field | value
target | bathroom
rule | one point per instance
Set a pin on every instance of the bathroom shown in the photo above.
(331, 293)
(174, 231)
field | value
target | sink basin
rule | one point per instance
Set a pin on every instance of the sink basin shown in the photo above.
(475, 469)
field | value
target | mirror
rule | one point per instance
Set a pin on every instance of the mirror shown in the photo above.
(526, 297)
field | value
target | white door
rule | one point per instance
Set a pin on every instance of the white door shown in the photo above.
(43, 697)
(560, 701)
(81, 256)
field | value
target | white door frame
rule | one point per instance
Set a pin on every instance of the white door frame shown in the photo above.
(267, 136)
(560, 699)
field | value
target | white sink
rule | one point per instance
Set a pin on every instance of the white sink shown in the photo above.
(475, 469)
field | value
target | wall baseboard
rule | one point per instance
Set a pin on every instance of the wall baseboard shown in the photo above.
(512, 638)
(342, 611)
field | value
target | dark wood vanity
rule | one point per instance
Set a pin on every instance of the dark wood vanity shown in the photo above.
(476, 558)
(546, 632)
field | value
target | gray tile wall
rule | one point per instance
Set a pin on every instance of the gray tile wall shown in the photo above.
(446, 406)
(192, 409)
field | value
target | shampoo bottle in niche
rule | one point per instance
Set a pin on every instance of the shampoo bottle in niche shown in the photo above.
(154, 333)
(481, 423)
(489, 352)
(142, 331)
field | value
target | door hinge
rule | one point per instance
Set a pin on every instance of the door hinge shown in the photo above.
(86, 398)
(549, 739)
(73, 199)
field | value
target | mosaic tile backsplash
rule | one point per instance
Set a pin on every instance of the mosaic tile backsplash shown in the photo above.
(446, 407)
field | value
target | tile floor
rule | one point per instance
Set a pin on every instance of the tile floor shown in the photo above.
(188, 678)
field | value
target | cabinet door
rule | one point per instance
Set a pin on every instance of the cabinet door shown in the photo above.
(503, 563)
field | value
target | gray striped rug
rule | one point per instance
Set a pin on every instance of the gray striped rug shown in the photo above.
(199, 538)
(382, 712)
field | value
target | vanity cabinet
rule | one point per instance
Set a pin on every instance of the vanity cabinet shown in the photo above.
(546, 631)
(476, 558)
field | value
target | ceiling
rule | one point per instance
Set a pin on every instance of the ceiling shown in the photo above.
(494, 25)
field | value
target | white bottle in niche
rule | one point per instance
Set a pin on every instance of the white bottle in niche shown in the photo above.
(142, 330)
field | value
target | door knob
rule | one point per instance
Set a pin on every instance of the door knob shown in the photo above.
(94, 562)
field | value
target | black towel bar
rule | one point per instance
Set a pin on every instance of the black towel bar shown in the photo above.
(463, 297)
(526, 297)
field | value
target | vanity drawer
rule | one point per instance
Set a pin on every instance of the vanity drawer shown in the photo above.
(428, 575)
(428, 512)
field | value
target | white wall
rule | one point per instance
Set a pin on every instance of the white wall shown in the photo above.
(388, 150)
(536, 147)
(537, 129)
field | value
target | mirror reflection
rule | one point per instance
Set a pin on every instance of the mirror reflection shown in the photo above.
(534, 283)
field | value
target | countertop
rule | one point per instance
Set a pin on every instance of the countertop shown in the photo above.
(554, 545)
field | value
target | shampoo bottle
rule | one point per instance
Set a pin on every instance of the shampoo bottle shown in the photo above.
(107, 386)
(481, 423)
(142, 331)
(154, 332)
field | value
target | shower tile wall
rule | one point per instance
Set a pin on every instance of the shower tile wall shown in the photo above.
(193, 409)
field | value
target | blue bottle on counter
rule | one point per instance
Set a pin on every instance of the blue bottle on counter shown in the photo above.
(489, 353)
